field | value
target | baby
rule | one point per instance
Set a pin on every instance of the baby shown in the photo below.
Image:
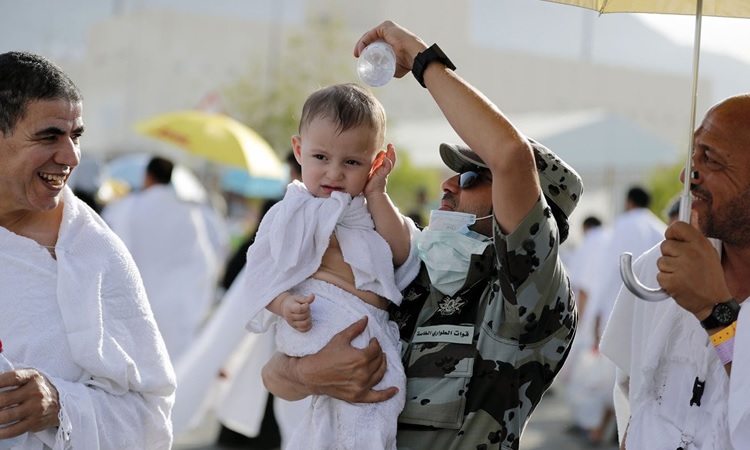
(333, 250)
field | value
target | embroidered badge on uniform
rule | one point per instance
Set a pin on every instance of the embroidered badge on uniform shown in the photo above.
(411, 295)
(401, 318)
(449, 306)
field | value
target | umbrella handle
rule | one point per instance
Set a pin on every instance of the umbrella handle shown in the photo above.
(626, 259)
(634, 285)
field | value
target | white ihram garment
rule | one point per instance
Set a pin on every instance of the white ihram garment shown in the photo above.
(83, 320)
(172, 243)
(662, 349)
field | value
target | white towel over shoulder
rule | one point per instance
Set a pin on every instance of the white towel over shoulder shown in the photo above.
(295, 233)
(106, 357)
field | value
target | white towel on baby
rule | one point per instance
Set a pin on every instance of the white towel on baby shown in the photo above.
(330, 423)
(295, 233)
(288, 249)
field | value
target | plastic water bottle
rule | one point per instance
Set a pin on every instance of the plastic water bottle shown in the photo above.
(376, 64)
(5, 444)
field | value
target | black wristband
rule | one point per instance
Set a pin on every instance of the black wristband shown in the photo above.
(722, 315)
(423, 59)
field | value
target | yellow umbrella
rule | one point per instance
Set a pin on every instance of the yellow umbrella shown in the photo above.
(217, 138)
(699, 8)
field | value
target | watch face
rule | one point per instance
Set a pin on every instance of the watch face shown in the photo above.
(724, 313)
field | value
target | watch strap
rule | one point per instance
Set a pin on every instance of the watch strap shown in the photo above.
(423, 59)
(712, 321)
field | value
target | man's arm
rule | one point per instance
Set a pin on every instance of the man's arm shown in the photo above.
(481, 125)
(338, 370)
(691, 272)
(478, 122)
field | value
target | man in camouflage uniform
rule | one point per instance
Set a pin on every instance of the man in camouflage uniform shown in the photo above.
(478, 357)
(517, 306)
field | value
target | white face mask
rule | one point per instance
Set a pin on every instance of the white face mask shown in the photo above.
(446, 246)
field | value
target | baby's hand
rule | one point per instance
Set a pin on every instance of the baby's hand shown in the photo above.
(296, 311)
(384, 164)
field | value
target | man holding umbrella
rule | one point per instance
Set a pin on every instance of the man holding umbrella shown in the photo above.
(487, 324)
(684, 363)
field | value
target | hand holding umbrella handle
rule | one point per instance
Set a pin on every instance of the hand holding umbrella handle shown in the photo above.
(634, 285)
(626, 259)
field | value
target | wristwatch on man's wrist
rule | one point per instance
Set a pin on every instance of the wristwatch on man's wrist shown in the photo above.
(423, 59)
(723, 315)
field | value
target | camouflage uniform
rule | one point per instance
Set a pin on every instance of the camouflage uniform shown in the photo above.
(478, 362)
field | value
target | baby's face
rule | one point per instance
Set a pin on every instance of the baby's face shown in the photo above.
(334, 161)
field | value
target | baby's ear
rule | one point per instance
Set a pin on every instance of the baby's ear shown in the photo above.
(297, 148)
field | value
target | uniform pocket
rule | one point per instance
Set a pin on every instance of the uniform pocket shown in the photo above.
(438, 368)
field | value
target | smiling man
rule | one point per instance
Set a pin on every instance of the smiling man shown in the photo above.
(91, 368)
(682, 381)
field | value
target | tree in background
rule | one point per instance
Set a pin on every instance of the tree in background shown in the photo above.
(406, 183)
(664, 183)
(318, 55)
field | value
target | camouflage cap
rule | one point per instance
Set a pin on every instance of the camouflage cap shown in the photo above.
(559, 181)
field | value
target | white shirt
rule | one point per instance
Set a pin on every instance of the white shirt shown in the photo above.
(635, 231)
(662, 349)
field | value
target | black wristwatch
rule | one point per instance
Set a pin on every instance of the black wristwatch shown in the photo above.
(423, 59)
(723, 315)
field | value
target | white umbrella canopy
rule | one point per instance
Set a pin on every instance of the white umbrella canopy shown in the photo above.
(718, 8)
(699, 8)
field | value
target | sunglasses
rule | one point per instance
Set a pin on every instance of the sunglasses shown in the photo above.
(469, 178)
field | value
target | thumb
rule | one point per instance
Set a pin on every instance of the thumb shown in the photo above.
(354, 330)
